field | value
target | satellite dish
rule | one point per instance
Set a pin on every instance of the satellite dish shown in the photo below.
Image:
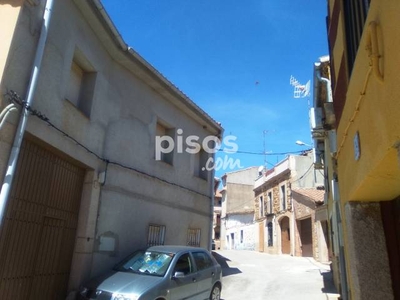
(261, 170)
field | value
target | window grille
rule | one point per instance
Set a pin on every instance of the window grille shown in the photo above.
(193, 238)
(355, 14)
(156, 235)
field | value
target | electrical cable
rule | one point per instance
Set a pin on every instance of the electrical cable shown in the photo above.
(15, 98)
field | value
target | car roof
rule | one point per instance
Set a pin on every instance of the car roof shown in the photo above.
(175, 248)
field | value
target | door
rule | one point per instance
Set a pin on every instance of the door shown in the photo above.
(184, 287)
(38, 236)
(306, 237)
(285, 236)
(391, 224)
(261, 236)
(205, 273)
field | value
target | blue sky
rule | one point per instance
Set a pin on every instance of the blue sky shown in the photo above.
(234, 59)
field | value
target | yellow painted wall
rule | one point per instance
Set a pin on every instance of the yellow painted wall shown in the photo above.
(9, 12)
(374, 109)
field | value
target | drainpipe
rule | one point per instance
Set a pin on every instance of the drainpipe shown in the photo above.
(338, 230)
(211, 227)
(327, 82)
(12, 161)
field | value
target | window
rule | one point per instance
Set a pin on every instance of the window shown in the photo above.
(164, 149)
(156, 235)
(283, 197)
(202, 260)
(270, 235)
(148, 262)
(261, 202)
(355, 14)
(201, 159)
(81, 84)
(241, 236)
(193, 237)
(270, 203)
(184, 264)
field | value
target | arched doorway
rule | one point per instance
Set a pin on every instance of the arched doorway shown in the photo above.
(285, 235)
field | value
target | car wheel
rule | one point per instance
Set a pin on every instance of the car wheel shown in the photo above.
(215, 293)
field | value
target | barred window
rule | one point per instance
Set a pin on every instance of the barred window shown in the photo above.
(193, 237)
(156, 235)
(355, 14)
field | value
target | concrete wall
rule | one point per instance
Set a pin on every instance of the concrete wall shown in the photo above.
(127, 102)
(235, 224)
(243, 176)
(237, 196)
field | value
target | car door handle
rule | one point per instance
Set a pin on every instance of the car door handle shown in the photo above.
(212, 273)
(194, 280)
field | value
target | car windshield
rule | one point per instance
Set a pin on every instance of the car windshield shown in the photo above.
(146, 262)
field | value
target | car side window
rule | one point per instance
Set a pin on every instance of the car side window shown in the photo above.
(202, 260)
(184, 264)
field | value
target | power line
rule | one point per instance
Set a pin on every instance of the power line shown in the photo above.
(263, 153)
(15, 98)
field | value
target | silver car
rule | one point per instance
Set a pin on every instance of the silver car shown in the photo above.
(159, 273)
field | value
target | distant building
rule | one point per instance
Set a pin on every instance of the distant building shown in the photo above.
(216, 234)
(286, 197)
(311, 226)
(237, 224)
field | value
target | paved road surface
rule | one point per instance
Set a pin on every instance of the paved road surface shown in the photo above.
(251, 275)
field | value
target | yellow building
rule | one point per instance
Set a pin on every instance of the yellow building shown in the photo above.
(365, 59)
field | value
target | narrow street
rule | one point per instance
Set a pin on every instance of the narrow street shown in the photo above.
(259, 276)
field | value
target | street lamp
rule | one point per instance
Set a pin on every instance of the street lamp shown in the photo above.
(300, 143)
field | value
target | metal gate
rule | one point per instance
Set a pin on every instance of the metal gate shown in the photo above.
(38, 236)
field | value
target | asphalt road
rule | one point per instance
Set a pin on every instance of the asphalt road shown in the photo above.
(259, 276)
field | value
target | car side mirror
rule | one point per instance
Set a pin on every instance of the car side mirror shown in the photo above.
(179, 275)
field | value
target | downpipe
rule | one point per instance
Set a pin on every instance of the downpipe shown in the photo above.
(19, 134)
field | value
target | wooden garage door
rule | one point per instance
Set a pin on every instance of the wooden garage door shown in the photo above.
(306, 237)
(37, 239)
(285, 235)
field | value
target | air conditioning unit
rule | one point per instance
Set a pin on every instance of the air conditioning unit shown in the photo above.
(330, 118)
(332, 142)
(318, 164)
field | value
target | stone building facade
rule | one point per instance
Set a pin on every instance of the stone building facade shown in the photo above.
(274, 204)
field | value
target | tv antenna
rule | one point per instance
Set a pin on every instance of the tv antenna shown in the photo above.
(265, 149)
(300, 90)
